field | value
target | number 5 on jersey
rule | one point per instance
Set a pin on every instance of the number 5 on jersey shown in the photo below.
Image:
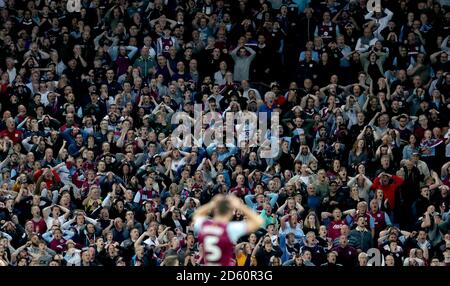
(212, 250)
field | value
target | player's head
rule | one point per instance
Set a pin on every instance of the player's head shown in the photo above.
(224, 209)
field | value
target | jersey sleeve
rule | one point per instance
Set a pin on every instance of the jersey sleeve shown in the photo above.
(198, 223)
(236, 230)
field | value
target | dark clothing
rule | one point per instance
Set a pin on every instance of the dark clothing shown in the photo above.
(263, 257)
(361, 239)
(347, 256)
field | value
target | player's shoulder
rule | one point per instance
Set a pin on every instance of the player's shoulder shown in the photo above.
(236, 229)
(199, 222)
(236, 224)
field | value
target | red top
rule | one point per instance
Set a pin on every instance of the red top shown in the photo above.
(15, 136)
(389, 189)
(48, 182)
(58, 245)
(240, 192)
(217, 246)
(39, 226)
(334, 228)
(380, 222)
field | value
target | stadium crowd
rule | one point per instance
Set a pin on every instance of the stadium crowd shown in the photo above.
(91, 174)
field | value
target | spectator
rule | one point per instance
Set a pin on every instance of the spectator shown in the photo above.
(242, 57)
(360, 237)
(346, 255)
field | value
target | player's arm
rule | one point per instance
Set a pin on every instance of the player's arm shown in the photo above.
(254, 221)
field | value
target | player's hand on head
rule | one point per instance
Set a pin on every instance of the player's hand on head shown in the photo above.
(217, 198)
(235, 202)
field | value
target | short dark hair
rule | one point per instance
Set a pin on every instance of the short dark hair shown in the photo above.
(223, 207)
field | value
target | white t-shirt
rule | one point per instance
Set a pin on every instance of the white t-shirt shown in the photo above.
(50, 219)
(151, 241)
(73, 258)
